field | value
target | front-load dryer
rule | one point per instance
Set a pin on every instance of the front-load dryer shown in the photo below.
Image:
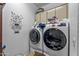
(35, 36)
(56, 39)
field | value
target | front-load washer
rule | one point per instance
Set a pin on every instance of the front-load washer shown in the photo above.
(56, 39)
(35, 36)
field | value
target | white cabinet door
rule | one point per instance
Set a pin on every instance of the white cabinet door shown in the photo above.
(61, 12)
(50, 13)
(44, 16)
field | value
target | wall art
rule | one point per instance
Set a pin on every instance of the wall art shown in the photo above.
(16, 22)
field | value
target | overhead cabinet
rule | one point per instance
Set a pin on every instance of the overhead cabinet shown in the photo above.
(41, 17)
(38, 17)
(62, 12)
(44, 16)
(50, 13)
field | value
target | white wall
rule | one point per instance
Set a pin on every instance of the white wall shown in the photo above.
(73, 17)
(17, 43)
(78, 34)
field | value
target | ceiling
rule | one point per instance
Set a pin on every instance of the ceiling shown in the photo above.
(40, 4)
(48, 5)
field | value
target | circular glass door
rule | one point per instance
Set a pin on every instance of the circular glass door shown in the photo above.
(34, 36)
(54, 39)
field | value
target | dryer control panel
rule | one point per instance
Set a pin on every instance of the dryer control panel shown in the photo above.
(62, 24)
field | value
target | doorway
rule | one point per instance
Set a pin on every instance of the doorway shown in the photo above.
(1, 6)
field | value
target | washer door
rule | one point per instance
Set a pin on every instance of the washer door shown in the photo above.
(34, 36)
(54, 39)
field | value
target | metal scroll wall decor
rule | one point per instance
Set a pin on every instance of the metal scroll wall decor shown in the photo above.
(16, 22)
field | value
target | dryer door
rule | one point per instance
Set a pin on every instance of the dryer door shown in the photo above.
(34, 36)
(55, 39)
